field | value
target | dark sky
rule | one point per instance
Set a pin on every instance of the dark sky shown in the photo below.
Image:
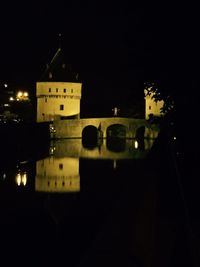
(115, 47)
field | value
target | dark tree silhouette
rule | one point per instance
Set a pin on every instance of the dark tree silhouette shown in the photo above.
(153, 89)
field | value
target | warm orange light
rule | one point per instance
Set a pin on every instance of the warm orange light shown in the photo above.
(21, 179)
(24, 179)
(18, 179)
(22, 95)
(19, 94)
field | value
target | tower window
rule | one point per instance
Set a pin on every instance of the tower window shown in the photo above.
(149, 107)
(71, 90)
(60, 166)
(61, 107)
(49, 90)
(64, 90)
(56, 90)
(45, 99)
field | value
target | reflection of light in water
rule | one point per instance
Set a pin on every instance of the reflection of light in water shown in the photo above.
(57, 175)
(131, 149)
(114, 164)
(21, 179)
(18, 179)
(51, 150)
(148, 143)
(136, 144)
(24, 179)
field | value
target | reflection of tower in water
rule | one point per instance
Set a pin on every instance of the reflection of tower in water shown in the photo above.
(59, 172)
(57, 175)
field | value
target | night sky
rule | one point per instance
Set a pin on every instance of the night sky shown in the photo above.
(115, 47)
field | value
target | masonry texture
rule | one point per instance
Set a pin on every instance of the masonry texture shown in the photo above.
(74, 128)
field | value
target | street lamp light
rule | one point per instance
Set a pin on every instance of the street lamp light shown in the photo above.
(22, 96)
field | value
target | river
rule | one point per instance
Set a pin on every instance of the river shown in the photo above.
(112, 204)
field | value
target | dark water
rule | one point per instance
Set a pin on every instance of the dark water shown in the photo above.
(97, 206)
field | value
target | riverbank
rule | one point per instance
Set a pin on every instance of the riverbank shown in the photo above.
(23, 140)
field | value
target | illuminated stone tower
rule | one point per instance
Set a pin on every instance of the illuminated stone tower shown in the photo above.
(58, 91)
(151, 106)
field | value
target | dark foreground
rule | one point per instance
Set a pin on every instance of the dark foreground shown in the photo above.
(143, 213)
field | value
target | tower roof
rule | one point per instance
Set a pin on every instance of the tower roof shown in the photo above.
(58, 70)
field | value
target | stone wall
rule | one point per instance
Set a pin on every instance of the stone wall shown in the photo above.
(74, 128)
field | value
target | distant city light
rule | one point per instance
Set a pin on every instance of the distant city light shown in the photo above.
(25, 94)
(5, 85)
(19, 94)
(11, 98)
(22, 96)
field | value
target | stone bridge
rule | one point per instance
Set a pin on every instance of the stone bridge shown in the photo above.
(104, 127)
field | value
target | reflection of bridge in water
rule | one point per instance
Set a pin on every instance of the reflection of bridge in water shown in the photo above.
(59, 173)
(103, 127)
(118, 148)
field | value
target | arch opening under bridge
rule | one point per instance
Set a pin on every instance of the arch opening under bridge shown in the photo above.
(90, 136)
(116, 131)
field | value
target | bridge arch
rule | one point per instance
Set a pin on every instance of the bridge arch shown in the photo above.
(103, 128)
(90, 136)
(116, 131)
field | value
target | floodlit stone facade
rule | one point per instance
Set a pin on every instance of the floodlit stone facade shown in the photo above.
(152, 107)
(58, 100)
(58, 91)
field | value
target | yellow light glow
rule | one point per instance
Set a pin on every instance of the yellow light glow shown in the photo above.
(24, 179)
(18, 179)
(11, 98)
(22, 95)
(136, 144)
(19, 94)
(21, 179)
